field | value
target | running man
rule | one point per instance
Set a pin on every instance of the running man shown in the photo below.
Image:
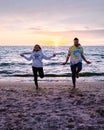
(76, 54)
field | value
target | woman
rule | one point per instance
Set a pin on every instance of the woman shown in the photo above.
(37, 65)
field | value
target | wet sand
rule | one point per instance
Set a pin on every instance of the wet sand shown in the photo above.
(54, 107)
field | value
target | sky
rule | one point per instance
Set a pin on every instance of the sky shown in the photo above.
(51, 22)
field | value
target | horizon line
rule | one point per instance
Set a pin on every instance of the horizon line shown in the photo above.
(46, 45)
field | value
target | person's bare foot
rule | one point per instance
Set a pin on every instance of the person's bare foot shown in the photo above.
(74, 86)
(73, 89)
(37, 87)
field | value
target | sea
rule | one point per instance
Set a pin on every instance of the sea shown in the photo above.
(13, 67)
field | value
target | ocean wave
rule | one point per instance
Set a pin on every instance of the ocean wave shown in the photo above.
(96, 54)
(27, 53)
(55, 64)
(11, 64)
(85, 74)
(101, 55)
(5, 72)
(6, 64)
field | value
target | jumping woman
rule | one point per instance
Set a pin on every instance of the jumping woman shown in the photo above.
(37, 65)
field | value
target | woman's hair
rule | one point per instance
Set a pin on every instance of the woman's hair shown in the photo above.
(37, 48)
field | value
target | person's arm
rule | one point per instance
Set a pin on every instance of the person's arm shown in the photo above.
(48, 58)
(67, 58)
(84, 58)
(27, 58)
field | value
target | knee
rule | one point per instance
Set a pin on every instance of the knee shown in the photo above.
(73, 74)
(42, 76)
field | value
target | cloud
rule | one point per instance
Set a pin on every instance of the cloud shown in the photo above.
(53, 17)
(52, 12)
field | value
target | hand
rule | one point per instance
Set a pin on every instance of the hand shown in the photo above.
(22, 55)
(54, 55)
(64, 63)
(88, 62)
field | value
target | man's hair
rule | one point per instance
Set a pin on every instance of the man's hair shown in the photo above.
(76, 39)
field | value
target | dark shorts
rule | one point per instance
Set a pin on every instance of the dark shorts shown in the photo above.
(76, 68)
(38, 71)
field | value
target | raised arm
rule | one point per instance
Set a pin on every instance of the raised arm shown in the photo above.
(48, 57)
(27, 58)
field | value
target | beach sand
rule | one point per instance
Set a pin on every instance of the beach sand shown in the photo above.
(54, 107)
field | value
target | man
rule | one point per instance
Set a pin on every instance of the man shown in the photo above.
(76, 55)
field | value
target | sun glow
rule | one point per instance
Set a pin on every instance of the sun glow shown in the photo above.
(56, 42)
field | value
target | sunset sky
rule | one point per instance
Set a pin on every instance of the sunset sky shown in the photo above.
(51, 22)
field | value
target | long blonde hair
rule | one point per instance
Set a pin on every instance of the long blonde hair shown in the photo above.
(37, 48)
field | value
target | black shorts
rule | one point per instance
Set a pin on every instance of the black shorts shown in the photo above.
(38, 71)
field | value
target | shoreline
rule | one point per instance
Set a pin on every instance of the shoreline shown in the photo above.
(53, 79)
(55, 106)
